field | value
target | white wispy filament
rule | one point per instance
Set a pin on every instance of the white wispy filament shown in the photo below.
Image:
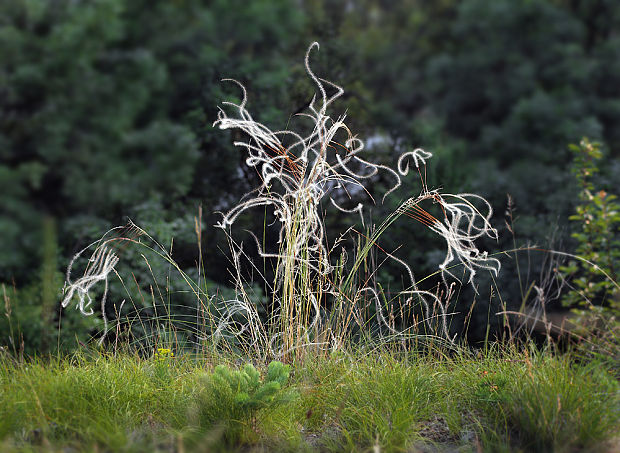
(99, 266)
(298, 172)
(297, 175)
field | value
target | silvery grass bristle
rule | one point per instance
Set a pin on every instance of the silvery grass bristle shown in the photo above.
(103, 261)
(100, 264)
(295, 179)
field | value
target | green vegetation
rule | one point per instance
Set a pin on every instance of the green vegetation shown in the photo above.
(233, 398)
(106, 111)
(394, 401)
(360, 305)
(594, 278)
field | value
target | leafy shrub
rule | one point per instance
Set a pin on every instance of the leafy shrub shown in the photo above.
(594, 288)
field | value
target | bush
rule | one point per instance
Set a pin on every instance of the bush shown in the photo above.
(594, 278)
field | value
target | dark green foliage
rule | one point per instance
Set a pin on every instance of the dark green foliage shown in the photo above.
(80, 136)
(518, 82)
(27, 327)
(31, 318)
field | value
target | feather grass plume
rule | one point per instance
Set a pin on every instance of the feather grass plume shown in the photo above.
(298, 172)
(318, 298)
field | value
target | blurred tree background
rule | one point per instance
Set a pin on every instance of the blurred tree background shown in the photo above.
(106, 109)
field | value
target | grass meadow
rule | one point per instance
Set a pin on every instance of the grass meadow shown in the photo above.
(381, 400)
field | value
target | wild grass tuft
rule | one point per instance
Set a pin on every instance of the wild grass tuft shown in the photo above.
(318, 299)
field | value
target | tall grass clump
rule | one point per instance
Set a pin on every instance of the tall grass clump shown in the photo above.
(545, 403)
(319, 297)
